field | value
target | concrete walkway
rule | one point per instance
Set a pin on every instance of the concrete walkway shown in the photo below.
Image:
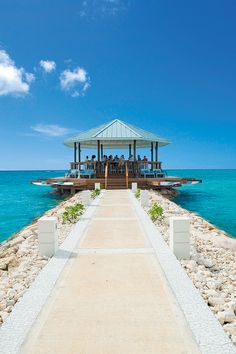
(112, 297)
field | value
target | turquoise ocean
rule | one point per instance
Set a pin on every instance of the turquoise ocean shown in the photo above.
(21, 202)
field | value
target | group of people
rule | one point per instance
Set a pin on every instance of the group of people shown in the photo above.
(116, 161)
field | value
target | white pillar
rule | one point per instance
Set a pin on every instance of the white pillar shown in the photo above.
(144, 199)
(47, 236)
(86, 197)
(97, 186)
(180, 237)
(134, 187)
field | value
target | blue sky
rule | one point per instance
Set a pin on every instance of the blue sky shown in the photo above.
(166, 66)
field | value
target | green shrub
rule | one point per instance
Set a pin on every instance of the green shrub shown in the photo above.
(95, 193)
(137, 193)
(155, 212)
(72, 213)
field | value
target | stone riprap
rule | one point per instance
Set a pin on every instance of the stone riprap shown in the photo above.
(20, 262)
(212, 264)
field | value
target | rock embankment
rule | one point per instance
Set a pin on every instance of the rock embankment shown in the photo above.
(20, 262)
(212, 267)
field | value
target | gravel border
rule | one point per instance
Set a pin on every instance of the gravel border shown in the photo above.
(207, 331)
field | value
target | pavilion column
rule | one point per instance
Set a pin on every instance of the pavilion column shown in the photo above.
(152, 155)
(99, 156)
(101, 151)
(135, 157)
(79, 154)
(74, 154)
(130, 150)
(156, 151)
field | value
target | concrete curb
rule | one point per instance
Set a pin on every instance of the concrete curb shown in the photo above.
(17, 326)
(207, 331)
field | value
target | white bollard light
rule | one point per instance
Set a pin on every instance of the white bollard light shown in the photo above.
(134, 187)
(180, 237)
(97, 186)
(47, 236)
(86, 197)
(144, 199)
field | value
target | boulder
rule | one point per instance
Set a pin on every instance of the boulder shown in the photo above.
(230, 328)
(226, 316)
(208, 263)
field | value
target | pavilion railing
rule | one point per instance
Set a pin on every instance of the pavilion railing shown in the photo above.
(115, 167)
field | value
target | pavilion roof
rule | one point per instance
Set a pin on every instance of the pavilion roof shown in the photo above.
(115, 134)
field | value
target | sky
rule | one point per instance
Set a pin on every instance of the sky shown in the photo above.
(166, 66)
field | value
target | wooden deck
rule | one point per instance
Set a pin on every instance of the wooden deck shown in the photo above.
(114, 182)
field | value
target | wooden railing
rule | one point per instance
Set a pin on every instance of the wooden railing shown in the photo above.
(100, 167)
(126, 174)
(106, 175)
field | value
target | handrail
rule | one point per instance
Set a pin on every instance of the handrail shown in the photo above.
(106, 175)
(127, 174)
(96, 165)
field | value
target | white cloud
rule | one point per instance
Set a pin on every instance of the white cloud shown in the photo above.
(13, 80)
(52, 130)
(47, 65)
(75, 82)
(92, 8)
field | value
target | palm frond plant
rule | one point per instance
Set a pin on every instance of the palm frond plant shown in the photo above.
(137, 193)
(72, 213)
(95, 193)
(155, 212)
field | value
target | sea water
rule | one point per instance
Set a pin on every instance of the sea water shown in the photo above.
(214, 199)
(21, 202)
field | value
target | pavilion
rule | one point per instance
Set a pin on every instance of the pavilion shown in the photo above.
(116, 134)
(110, 173)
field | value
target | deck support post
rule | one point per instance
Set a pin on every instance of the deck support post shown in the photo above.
(180, 237)
(144, 198)
(152, 155)
(135, 169)
(86, 197)
(47, 236)
(97, 186)
(156, 150)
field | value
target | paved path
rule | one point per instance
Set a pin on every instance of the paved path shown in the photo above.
(112, 297)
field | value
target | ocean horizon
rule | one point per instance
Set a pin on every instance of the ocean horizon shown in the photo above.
(21, 202)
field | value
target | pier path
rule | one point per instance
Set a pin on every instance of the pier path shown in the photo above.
(112, 297)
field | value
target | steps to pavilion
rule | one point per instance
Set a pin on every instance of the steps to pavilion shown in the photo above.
(116, 182)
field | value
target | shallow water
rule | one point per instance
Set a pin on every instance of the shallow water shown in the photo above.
(21, 202)
(214, 199)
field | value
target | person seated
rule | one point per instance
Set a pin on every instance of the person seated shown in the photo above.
(145, 160)
(131, 158)
(116, 158)
(86, 165)
(139, 158)
(91, 165)
(121, 162)
(110, 158)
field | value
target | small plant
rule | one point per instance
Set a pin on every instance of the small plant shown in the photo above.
(72, 213)
(155, 212)
(95, 193)
(137, 193)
